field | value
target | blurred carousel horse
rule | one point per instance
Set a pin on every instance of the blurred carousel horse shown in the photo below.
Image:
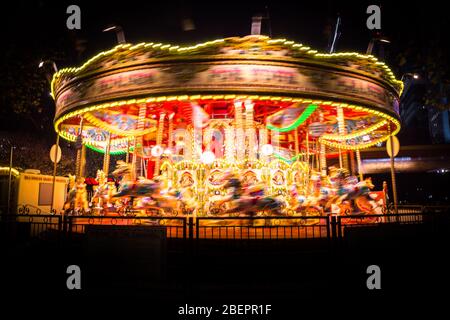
(76, 201)
(129, 187)
(249, 201)
(150, 194)
(103, 194)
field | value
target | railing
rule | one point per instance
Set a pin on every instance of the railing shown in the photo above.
(262, 228)
(25, 209)
(346, 222)
(410, 209)
(50, 226)
(25, 227)
(176, 227)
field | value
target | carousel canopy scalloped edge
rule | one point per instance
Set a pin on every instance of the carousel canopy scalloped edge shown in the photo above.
(296, 51)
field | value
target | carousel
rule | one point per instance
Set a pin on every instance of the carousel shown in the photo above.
(248, 125)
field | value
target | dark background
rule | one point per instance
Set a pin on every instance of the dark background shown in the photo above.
(297, 282)
(34, 30)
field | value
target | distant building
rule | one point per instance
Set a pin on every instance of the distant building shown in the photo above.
(439, 125)
(414, 116)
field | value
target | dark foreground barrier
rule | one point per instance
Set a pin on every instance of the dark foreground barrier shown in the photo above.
(24, 227)
(262, 258)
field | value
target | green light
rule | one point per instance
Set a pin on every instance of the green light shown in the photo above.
(114, 153)
(285, 159)
(302, 118)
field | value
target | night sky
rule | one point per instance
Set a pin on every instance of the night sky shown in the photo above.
(41, 24)
(36, 30)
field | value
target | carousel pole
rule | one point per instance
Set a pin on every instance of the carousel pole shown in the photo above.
(77, 164)
(297, 148)
(143, 168)
(79, 147)
(307, 148)
(323, 156)
(394, 184)
(83, 161)
(317, 156)
(138, 141)
(170, 135)
(54, 172)
(250, 130)
(127, 159)
(230, 149)
(352, 163)
(240, 137)
(323, 159)
(106, 156)
(343, 159)
(159, 137)
(188, 143)
(358, 160)
(275, 138)
(308, 175)
(133, 160)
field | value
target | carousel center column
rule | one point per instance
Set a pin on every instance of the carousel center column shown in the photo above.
(159, 138)
(106, 156)
(342, 131)
(80, 152)
(138, 141)
(250, 130)
(240, 137)
(323, 155)
(230, 149)
(263, 140)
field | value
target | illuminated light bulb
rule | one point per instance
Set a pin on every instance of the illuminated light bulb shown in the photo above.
(157, 151)
(207, 157)
(267, 149)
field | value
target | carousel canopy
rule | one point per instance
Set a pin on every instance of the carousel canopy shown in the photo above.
(290, 85)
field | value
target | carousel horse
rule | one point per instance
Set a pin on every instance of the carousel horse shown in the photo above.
(188, 200)
(104, 192)
(344, 190)
(374, 203)
(151, 194)
(249, 201)
(352, 191)
(319, 192)
(77, 198)
(70, 198)
(128, 186)
(166, 199)
(359, 194)
(324, 193)
(81, 202)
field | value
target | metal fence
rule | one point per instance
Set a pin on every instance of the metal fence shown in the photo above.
(176, 227)
(26, 227)
(262, 227)
(46, 226)
(344, 223)
(409, 209)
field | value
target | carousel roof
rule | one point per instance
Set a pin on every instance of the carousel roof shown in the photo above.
(255, 47)
(109, 89)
